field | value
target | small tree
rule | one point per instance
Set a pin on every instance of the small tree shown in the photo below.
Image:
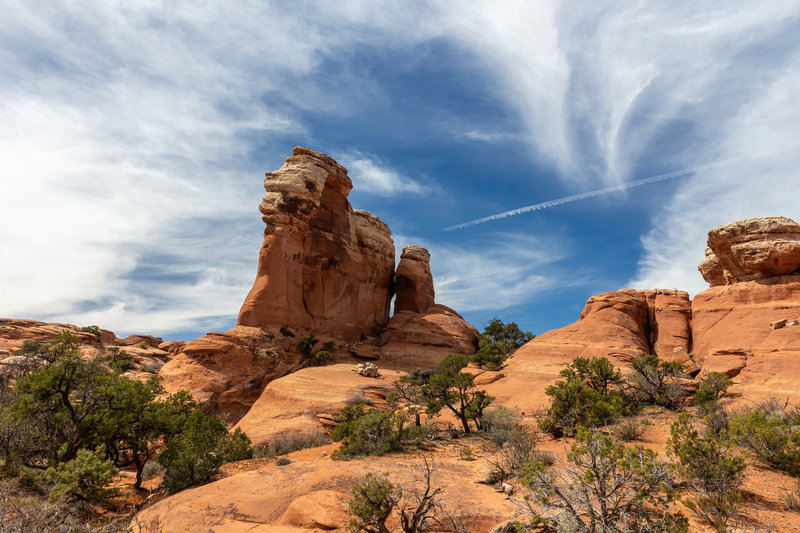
(196, 453)
(713, 469)
(417, 513)
(370, 432)
(588, 396)
(84, 477)
(655, 382)
(604, 487)
(374, 498)
(497, 342)
(449, 387)
(408, 388)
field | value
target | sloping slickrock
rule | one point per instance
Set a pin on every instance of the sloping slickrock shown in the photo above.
(618, 325)
(291, 403)
(750, 249)
(323, 266)
(732, 334)
(271, 498)
(420, 340)
(229, 370)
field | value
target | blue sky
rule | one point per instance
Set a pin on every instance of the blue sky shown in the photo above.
(134, 138)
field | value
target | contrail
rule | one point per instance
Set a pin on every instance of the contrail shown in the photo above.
(589, 194)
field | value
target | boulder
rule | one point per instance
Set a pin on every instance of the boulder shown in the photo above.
(369, 370)
(750, 249)
(294, 402)
(323, 266)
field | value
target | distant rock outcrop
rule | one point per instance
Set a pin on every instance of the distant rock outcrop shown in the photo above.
(750, 249)
(146, 357)
(733, 327)
(618, 325)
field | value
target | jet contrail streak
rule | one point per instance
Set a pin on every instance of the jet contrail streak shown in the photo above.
(584, 195)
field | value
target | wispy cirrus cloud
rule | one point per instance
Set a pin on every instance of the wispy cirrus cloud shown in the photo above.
(370, 175)
(504, 270)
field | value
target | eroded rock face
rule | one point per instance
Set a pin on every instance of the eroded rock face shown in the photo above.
(750, 249)
(420, 340)
(413, 281)
(323, 266)
(732, 333)
(228, 371)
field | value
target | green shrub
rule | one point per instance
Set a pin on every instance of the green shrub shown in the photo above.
(604, 487)
(320, 357)
(373, 499)
(235, 446)
(655, 382)
(713, 469)
(196, 453)
(371, 432)
(500, 423)
(771, 435)
(588, 396)
(711, 388)
(84, 477)
(497, 342)
(94, 330)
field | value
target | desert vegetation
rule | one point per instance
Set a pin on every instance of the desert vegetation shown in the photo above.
(69, 423)
(497, 342)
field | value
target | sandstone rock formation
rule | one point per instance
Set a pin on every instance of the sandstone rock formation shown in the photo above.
(731, 327)
(147, 359)
(750, 249)
(323, 266)
(413, 281)
(732, 334)
(229, 370)
(327, 269)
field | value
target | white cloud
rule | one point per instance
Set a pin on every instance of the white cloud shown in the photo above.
(505, 270)
(125, 126)
(596, 85)
(371, 176)
(764, 181)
